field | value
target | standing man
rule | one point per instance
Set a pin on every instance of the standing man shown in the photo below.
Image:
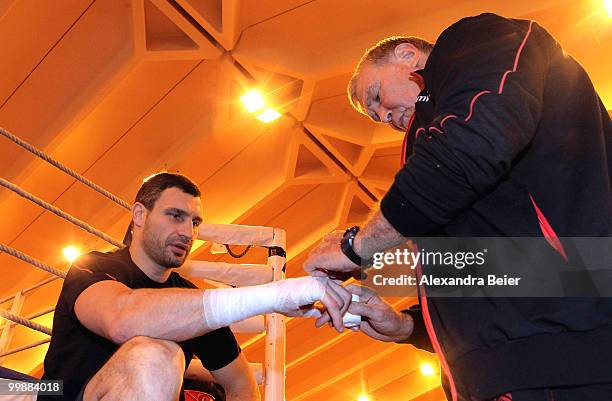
(126, 324)
(505, 137)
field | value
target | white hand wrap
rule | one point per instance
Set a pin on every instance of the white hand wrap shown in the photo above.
(349, 319)
(225, 306)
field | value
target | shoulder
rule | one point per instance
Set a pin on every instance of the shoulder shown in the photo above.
(88, 269)
(483, 22)
(96, 262)
(468, 33)
(479, 49)
(87, 261)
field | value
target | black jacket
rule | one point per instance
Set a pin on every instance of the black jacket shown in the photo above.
(509, 139)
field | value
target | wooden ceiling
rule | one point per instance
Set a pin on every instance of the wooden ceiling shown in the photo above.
(119, 89)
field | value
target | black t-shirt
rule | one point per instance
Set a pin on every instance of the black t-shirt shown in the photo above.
(75, 353)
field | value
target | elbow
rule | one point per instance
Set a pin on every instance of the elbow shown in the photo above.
(118, 337)
(119, 324)
(117, 332)
(119, 329)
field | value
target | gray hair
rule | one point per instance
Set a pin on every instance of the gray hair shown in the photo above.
(379, 54)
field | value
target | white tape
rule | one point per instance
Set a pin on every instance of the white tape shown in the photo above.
(349, 319)
(225, 306)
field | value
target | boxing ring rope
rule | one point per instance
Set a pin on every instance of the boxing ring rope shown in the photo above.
(23, 193)
(228, 273)
(30, 148)
(27, 323)
(40, 313)
(31, 288)
(25, 347)
(24, 322)
(235, 234)
(26, 258)
(273, 375)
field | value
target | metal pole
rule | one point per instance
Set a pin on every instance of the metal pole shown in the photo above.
(25, 347)
(40, 313)
(29, 289)
(40, 284)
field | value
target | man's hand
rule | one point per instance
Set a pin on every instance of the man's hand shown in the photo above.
(378, 319)
(327, 259)
(296, 297)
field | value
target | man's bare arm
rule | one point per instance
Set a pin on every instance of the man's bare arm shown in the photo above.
(377, 235)
(118, 313)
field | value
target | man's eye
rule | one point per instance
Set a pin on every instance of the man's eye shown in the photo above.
(176, 216)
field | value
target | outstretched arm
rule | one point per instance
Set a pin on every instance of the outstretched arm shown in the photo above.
(118, 313)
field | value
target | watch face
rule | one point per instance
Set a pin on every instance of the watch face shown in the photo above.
(352, 231)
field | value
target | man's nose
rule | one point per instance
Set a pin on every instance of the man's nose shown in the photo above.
(384, 115)
(186, 239)
(187, 231)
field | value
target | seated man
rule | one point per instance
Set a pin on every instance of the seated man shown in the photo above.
(126, 325)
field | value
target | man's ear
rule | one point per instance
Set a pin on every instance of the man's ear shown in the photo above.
(407, 54)
(139, 214)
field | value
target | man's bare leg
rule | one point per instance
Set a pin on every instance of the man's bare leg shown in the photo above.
(142, 369)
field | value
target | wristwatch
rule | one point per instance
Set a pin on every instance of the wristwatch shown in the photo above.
(347, 245)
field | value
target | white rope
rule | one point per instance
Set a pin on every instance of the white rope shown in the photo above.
(79, 223)
(25, 347)
(26, 258)
(24, 322)
(65, 169)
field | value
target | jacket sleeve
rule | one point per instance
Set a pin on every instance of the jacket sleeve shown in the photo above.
(419, 337)
(488, 89)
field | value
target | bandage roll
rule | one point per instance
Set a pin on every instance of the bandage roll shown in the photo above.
(349, 319)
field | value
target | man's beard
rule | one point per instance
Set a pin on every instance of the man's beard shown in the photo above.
(159, 250)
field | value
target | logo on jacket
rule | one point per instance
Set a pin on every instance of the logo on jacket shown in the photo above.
(422, 98)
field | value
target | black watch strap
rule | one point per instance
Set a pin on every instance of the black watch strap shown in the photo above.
(348, 248)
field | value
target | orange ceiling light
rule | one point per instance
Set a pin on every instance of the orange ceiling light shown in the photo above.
(608, 6)
(253, 101)
(427, 369)
(268, 115)
(71, 253)
(363, 397)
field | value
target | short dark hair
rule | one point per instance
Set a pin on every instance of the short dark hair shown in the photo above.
(151, 189)
(153, 186)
